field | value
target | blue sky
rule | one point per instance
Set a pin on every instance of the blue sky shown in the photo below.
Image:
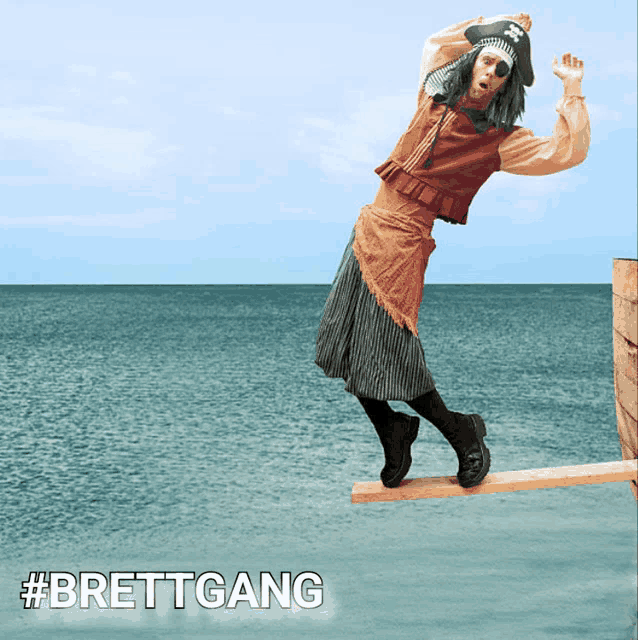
(207, 142)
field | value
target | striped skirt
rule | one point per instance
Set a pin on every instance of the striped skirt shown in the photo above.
(359, 342)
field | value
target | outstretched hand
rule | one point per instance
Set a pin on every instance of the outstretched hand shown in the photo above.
(524, 20)
(571, 69)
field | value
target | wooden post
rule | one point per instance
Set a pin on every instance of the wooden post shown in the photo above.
(625, 301)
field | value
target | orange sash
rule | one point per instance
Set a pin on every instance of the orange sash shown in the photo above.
(393, 248)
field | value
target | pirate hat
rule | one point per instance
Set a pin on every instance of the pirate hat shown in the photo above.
(509, 37)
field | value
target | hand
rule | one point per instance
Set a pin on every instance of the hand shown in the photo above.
(524, 20)
(521, 18)
(570, 70)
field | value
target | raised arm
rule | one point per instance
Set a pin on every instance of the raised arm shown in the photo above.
(524, 153)
(451, 43)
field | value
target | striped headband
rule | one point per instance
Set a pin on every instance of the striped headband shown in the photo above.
(500, 47)
(502, 54)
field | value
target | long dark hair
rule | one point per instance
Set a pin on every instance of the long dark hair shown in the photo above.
(505, 107)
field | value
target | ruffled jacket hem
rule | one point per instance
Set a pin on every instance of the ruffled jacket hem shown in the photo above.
(449, 208)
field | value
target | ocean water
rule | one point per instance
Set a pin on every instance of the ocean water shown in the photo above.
(187, 429)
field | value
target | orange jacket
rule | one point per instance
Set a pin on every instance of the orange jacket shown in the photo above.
(462, 160)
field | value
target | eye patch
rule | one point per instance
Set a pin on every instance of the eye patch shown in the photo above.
(502, 69)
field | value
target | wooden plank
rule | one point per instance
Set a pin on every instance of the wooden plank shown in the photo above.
(448, 486)
(626, 318)
(625, 357)
(625, 279)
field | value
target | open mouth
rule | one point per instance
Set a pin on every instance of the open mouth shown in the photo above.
(483, 85)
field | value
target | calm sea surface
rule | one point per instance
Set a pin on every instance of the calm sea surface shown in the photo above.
(177, 429)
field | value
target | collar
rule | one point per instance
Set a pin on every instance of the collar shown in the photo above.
(474, 109)
(478, 104)
(478, 118)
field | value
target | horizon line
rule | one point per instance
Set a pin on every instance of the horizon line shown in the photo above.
(261, 284)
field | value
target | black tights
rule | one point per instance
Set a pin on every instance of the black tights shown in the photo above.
(379, 411)
(430, 405)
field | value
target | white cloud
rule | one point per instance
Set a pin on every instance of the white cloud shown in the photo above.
(236, 113)
(120, 100)
(238, 187)
(96, 147)
(321, 123)
(601, 112)
(83, 68)
(540, 118)
(621, 68)
(528, 211)
(120, 220)
(125, 76)
(27, 181)
(352, 145)
(283, 208)
(171, 148)
(528, 197)
(41, 109)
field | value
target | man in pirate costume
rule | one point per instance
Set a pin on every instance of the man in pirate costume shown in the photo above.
(471, 90)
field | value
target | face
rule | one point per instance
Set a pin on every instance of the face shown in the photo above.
(485, 81)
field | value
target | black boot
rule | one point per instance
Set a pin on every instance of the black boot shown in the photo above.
(397, 431)
(464, 432)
